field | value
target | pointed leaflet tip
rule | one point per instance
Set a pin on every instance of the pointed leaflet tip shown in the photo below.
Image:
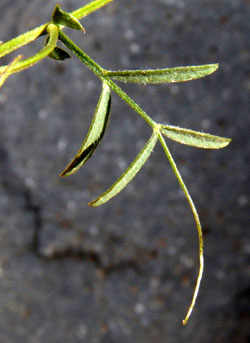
(78, 160)
(194, 138)
(63, 18)
(129, 173)
(95, 133)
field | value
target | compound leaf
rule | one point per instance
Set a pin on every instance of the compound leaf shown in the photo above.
(194, 138)
(129, 173)
(95, 133)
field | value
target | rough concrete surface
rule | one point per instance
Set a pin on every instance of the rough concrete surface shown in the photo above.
(125, 272)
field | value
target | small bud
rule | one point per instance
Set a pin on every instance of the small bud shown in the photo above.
(63, 18)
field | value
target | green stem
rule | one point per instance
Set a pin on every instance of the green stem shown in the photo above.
(100, 72)
(52, 30)
(197, 221)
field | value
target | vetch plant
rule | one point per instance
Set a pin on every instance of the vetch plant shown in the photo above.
(53, 31)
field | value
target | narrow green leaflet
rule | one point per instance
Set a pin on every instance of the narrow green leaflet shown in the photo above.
(169, 75)
(129, 173)
(194, 138)
(15, 43)
(95, 133)
(28, 62)
(8, 70)
(89, 8)
(63, 18)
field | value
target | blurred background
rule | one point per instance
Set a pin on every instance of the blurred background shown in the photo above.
(125, 272)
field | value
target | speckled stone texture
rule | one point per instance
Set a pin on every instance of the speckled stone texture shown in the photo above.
(125, 272)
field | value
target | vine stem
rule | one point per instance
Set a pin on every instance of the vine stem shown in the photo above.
(197, 221)
(100, 72)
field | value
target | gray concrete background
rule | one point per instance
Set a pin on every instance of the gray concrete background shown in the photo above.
(125, 272)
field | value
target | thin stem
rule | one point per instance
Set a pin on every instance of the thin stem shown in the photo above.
(52, 30)
(100, 72)
(197, 221)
